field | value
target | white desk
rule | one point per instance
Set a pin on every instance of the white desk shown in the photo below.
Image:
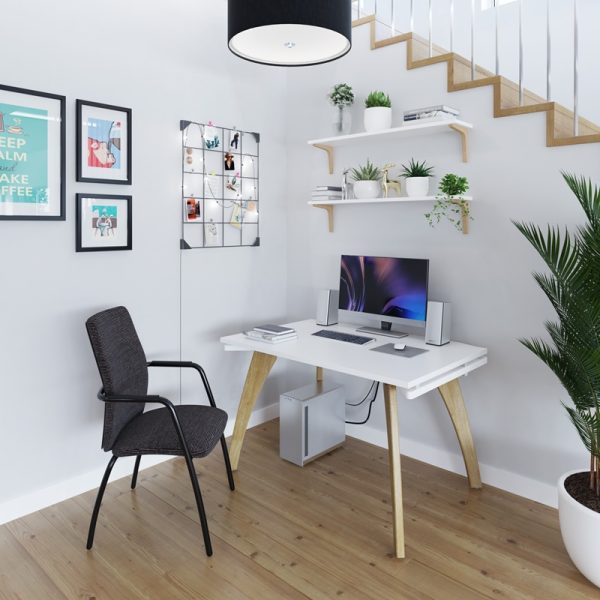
(439, 368)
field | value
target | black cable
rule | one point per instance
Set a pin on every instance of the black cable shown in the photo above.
(365, 398)
(370, 407)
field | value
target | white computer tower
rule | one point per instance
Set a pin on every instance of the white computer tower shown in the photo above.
(311, 422)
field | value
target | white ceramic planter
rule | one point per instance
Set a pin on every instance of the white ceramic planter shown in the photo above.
(417, 186)
(366, 189)
(580, 528)
(377, 118)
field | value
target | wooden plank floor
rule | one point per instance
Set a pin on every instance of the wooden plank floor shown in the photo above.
(289, 533)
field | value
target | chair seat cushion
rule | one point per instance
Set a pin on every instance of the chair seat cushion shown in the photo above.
(153, 432)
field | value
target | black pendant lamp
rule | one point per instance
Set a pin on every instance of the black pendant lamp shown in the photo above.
(290, 33)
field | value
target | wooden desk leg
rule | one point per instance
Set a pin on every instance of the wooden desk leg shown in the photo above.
(453, 398)
(259, 369)
(391, 417)
(319, 374)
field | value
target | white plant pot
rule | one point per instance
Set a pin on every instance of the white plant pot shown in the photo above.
(417, 186)
(580, 528)
(377, 118)
(366, 189)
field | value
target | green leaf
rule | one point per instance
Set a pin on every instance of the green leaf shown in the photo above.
(378, 99)
(416, 169)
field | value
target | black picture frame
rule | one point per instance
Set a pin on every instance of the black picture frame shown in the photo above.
(61, 168)
(81, 155)
(79, 243)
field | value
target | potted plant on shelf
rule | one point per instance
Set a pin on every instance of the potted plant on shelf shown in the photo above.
(342, 97)
(450, 203)
(417, 177)
(573, 354)
(367, 182)
(378, 112)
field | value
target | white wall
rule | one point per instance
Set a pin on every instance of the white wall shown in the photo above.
(166, 63)
(172, 65)
(514, 402)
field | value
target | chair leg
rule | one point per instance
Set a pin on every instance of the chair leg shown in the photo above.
(199, 504)
(90, 540)
(135, 471)
(227, 463)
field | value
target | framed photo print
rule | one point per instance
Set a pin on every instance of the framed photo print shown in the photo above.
(103, 222)
(103, 143)
(32, 155)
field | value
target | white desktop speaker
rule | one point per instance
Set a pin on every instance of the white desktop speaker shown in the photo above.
(437, 327)
(327, 307)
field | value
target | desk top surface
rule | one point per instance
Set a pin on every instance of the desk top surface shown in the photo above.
(415, 375)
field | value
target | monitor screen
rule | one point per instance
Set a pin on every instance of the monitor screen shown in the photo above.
(389, 287)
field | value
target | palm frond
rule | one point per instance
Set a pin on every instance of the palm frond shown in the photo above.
(587, 194)
(572, 286)
(559, 252)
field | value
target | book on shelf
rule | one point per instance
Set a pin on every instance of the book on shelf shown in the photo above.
(429, 119)
(334, 196)
(431, 109)
(269, 337)
(327, 188)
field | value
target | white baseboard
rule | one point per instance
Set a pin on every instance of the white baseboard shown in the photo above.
(39, 499)
(505, 480)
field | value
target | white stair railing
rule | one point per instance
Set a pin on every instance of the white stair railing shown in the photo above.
(480, 29)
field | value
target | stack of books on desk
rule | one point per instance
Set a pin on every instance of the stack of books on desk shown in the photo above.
(327, 192)
(430, 113)
(273, 334)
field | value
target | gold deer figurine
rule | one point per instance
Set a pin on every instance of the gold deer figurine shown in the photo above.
(390, 183)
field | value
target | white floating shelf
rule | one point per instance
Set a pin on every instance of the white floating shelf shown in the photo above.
(329, 205)
(411, 130)
(394, 200)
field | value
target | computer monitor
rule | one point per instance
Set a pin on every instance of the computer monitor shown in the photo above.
(392, 288)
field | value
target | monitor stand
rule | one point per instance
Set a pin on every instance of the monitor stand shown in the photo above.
(385, 329)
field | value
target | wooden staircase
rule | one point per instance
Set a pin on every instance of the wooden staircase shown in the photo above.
(559, 120)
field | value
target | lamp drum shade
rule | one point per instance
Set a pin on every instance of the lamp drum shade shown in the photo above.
(290, 33)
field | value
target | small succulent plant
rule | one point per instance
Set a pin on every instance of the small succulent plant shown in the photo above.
(367, 172)
(375, 99)
(416, 169)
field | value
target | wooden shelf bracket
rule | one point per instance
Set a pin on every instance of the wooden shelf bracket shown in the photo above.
(464, 138)
(465, 214)
(329, 209)
(330, 155)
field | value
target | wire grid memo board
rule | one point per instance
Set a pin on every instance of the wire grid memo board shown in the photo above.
(219, 192)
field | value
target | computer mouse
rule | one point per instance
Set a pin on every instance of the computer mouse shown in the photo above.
(399, 346)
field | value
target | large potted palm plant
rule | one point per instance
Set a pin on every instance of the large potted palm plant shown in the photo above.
(573, 353)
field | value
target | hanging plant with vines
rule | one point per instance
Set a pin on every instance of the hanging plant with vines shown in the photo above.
(450, 203)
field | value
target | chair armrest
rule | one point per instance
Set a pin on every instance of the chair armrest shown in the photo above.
(102, 395)
(186, 364)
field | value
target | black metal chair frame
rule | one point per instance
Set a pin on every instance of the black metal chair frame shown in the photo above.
(149, 399)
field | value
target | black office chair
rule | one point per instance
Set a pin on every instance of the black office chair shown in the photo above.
(191, 431)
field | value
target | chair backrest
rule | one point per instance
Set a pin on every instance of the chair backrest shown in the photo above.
(122, 365)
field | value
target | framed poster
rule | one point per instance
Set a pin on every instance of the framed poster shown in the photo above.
(103, 222)
(103, 143)
(32, 155)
